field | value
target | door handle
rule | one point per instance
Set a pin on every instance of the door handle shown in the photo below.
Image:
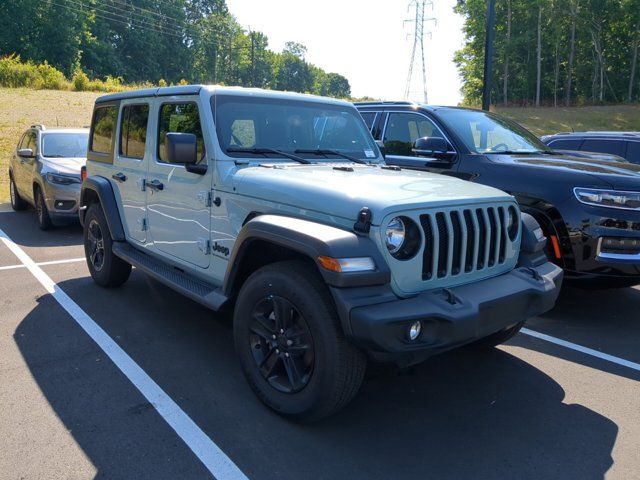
(119, 177)
(154, 184)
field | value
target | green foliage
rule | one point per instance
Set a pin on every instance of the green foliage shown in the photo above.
(163, 41)
(15, 73)
(601, 70)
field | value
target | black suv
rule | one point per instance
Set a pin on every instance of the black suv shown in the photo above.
(588, 207)
(623, 144)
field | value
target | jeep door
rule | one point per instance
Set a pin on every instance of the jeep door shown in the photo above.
(178, 201)
(130, 164)
(28, 165)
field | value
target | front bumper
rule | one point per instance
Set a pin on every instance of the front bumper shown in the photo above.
(377, 321)
(62, 201)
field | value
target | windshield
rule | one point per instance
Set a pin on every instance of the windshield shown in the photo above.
(316, 131)
(59, 145)
(484, 132)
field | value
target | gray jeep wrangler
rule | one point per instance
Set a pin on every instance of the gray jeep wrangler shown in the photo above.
(280, 207)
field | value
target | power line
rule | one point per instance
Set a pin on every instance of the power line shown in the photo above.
(129, 23)
(140, 9)
(418, 43)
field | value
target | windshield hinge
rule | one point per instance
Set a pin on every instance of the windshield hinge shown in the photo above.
(204, 245)
(143, 224)
(363, 223)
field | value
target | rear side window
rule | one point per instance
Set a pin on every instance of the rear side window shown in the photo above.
(616, 147)
(369, 118)
(133, 131)
(633, 152)
(179, 118)
(104, 125)
(566, 144)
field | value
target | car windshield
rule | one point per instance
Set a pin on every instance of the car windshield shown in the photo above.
(484, 132)
(61, 145)
(311, 130)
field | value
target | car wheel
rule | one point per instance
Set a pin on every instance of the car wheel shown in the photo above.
(291, 345)
(42, 212)
(17, 203)
(106, 269)
(498, 338)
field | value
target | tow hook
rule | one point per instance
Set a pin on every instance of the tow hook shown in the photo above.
(534, 273)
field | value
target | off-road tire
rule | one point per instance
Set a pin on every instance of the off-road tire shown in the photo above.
(17, 202)
(110, 271)
(338, 367)
(497, 338)
(42, 212)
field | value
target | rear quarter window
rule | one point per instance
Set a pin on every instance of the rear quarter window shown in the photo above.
(103, 128)
(633, 152)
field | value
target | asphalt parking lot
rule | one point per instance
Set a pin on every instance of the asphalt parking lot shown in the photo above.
(140, 382)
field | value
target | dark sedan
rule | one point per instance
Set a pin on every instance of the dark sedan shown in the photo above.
(623, 144)
(588, 207)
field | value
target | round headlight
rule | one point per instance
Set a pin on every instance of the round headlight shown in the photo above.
(394, 235)
(512, 223)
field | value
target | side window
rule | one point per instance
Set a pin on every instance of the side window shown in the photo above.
(31, 141)
(615, 147)
(633, 152)
(369, 118)
(403, 129)
(179, 118)
(133, 131)
(565, 144)
(103, 128)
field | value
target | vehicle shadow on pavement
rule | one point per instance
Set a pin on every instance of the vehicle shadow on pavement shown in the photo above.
(22, 228)
(464, 414)
(603, 320)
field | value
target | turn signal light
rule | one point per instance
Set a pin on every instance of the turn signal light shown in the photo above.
(345, 265)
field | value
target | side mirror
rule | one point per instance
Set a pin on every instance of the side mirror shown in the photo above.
(430, 146)
(183, 148)
(26, 153)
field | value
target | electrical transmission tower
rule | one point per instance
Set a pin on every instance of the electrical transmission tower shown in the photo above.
(418, 43)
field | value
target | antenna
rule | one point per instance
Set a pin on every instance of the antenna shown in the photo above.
(418, 43)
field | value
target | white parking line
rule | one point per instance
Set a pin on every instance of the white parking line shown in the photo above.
(40, 264)
(581, 349)
(213, 458)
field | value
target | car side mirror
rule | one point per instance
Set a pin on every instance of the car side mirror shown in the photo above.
(26, 153)
(430, 146)
(182, 148)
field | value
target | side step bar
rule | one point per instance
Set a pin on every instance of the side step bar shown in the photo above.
(194, 288)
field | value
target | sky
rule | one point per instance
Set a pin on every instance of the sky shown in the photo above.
(367, 41)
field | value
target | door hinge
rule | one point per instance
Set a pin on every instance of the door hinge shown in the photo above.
(143, 224)
(206, 197)
(204, 245)
(142, 183)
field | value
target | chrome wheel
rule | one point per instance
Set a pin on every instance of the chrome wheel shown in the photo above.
(96, 245)
(281, 344)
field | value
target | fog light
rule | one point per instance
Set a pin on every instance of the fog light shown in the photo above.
(414, 330)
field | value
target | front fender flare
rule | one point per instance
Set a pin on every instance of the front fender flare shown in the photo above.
(312, 240)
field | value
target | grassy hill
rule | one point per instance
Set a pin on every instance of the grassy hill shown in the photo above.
(20, 108)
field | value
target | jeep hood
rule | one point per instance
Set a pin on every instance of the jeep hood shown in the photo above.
(617, 173)
(328, 189)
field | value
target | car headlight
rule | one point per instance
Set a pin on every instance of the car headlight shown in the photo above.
(513, 224)
(402, 238)
(62, 179)
(608, 198)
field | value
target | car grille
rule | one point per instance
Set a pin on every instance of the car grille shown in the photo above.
(464, 241)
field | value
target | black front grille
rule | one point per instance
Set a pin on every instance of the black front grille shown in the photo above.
(464, 241)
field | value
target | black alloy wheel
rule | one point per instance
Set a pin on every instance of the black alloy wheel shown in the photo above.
(281, 344)
(96, 245)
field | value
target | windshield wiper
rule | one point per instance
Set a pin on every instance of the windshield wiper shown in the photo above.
(263, 151)
(325, 152)
(512, 152)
